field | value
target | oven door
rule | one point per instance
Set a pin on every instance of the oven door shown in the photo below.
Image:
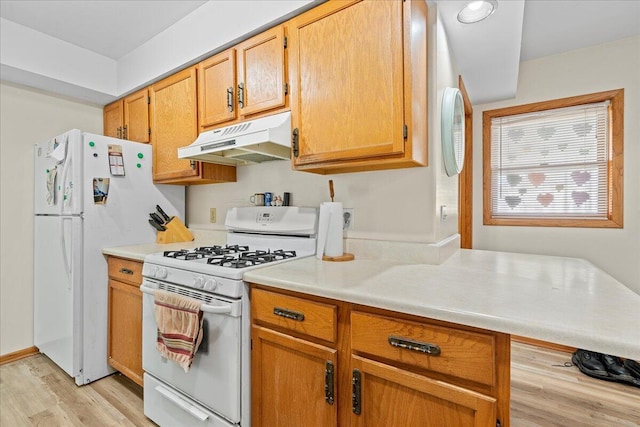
(214, 377)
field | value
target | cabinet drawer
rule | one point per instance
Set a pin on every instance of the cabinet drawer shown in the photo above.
(450, 351)
(125, 270)
(311, 318)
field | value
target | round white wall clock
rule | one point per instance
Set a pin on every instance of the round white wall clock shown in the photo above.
(452, 130)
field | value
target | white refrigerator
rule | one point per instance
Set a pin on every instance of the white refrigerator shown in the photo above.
(91, 192)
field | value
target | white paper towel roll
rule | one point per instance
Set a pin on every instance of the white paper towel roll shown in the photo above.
(330, 230)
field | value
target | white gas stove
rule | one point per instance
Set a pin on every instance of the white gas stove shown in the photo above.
(216, 391)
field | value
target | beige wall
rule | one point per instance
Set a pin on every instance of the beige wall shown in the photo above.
(609, 66)
(399, 205)
(26, 117)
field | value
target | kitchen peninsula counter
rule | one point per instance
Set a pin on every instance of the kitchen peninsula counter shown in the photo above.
(561, 300)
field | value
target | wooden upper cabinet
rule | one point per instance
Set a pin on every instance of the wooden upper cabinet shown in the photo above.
(112, 119)
(174, 124)
(243, 82)
(217, 89)
(261, 72)
(358, 86)
(136, 116)
(128, 118)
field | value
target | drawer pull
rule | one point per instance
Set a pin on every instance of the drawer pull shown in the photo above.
(328, 383)
(126, 271)
(289, 314)
(356, 392)
(422, 347)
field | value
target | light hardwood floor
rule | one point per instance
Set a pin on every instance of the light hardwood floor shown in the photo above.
(544, 392)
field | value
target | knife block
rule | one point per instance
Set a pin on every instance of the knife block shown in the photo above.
(175, 232)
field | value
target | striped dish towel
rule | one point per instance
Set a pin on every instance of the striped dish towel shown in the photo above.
(179, 321)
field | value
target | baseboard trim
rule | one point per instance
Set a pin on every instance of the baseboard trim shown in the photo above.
(17, 355)
(543, 344)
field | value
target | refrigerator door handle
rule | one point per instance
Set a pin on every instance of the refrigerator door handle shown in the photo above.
(64, 189)
(63, 247)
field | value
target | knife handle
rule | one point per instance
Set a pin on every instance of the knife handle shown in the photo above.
(164, 215)
(157, 226)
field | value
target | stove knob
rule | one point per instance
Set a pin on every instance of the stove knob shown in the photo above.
(210, 285)
(162, 273)
(198, 282)
(153, 270)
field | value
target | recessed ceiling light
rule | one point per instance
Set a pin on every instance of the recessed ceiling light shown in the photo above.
(476, 11)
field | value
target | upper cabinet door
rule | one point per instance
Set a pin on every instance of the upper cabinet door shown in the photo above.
(217, 92)
(136, 116)
(112, 119)
(174, 124)
(351, 73)
(261, 72)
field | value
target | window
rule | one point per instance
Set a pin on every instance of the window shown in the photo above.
(555, 163)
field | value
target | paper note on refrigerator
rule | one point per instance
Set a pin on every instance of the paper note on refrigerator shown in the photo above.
(116, 161)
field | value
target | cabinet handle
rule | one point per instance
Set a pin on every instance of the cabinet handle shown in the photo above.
(289, 314)
(192, 163)
(241, 95)
(126, 271)
(230, 98)
(328, 383)
(119, 132)
(125, 132)
(422, 347)
(356, 392)
(294, 142)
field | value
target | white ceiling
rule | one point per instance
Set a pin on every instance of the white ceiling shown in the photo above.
(111, 28)
(487, 54)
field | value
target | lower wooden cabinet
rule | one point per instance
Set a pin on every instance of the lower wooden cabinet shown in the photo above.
(292, 381)
(385, 395)
(125, 318)
(383, 369)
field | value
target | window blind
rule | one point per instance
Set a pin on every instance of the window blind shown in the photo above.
(552, 163)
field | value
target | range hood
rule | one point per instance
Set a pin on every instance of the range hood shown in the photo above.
(255, 141)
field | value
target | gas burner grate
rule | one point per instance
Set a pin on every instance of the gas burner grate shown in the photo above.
(232, 256)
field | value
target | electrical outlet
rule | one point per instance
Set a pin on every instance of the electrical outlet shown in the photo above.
(212, 215)
(347, 218)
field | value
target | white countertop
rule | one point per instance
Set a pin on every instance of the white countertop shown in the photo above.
(138, 252)
(561, 300)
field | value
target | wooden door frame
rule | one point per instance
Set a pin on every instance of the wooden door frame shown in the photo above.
(465, 178)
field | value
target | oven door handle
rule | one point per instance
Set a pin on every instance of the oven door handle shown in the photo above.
(226, 309)
(186, 406)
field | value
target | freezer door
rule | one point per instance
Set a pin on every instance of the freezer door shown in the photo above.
(57, 290)
(57, 175)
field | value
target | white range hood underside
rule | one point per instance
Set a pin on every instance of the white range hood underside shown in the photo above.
(254, 141)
